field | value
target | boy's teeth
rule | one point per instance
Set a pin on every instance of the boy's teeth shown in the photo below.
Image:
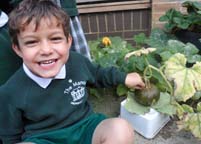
(47, 62)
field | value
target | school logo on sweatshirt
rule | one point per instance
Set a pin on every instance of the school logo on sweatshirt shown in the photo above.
(77, 91)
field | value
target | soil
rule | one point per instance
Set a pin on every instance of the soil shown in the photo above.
(169, 134)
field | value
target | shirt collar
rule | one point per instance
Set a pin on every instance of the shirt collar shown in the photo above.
(44, 82)
(3, 19)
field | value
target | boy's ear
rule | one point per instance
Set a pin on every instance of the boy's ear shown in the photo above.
(17, 50)
(69, 40)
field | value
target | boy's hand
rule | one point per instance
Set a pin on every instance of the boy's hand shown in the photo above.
(134, 80)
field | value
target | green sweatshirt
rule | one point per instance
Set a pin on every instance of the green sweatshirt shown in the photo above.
(28, 109)
(9, 61)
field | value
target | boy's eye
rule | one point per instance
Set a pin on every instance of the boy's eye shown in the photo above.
(30, 43)
(56, 39)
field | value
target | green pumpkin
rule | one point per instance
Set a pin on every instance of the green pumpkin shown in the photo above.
(147, 96)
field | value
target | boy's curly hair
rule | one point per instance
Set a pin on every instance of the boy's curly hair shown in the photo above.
(33, 11)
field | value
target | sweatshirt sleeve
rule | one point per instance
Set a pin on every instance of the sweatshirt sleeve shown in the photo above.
(105, 76)
(11, 127)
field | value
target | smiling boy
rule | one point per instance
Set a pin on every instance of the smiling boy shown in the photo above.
(45, 101)
(44, 49)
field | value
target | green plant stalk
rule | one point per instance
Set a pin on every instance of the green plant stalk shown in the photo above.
(149, 67)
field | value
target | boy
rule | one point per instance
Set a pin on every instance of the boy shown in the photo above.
(10, 62)
(45, 101)
(79, 43)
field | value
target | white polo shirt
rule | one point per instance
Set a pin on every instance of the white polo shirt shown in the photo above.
(44, 82)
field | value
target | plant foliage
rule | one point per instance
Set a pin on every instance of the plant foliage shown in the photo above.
(174, 67)
(176, 20)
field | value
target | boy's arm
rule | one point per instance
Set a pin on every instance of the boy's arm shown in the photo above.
(105, 77)
(10, 121)
(112, 76)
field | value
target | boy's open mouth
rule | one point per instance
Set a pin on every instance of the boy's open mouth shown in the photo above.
(47, 62)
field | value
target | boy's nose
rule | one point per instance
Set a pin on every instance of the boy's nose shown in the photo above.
(46, 48)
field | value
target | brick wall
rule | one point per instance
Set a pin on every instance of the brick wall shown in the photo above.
(120, 23)
(159, 7)
(124, 19)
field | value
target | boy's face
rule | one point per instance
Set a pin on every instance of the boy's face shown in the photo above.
(44, 50)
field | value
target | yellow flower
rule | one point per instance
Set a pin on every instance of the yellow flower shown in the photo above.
(106, 41)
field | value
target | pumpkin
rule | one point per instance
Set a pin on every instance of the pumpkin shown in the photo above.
(147, 96)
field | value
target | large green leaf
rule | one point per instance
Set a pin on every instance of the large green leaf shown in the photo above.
(134, 107)
(192, 6)
(164, 105)
(179, 47)
(175, 46)
(158, 39)
(192, 122)
(182, 23)
(186, 80)
(140, 39)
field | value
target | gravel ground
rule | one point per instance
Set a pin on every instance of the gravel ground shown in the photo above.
(169, 134)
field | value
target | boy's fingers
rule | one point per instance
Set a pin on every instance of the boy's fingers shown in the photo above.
(140, 86)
